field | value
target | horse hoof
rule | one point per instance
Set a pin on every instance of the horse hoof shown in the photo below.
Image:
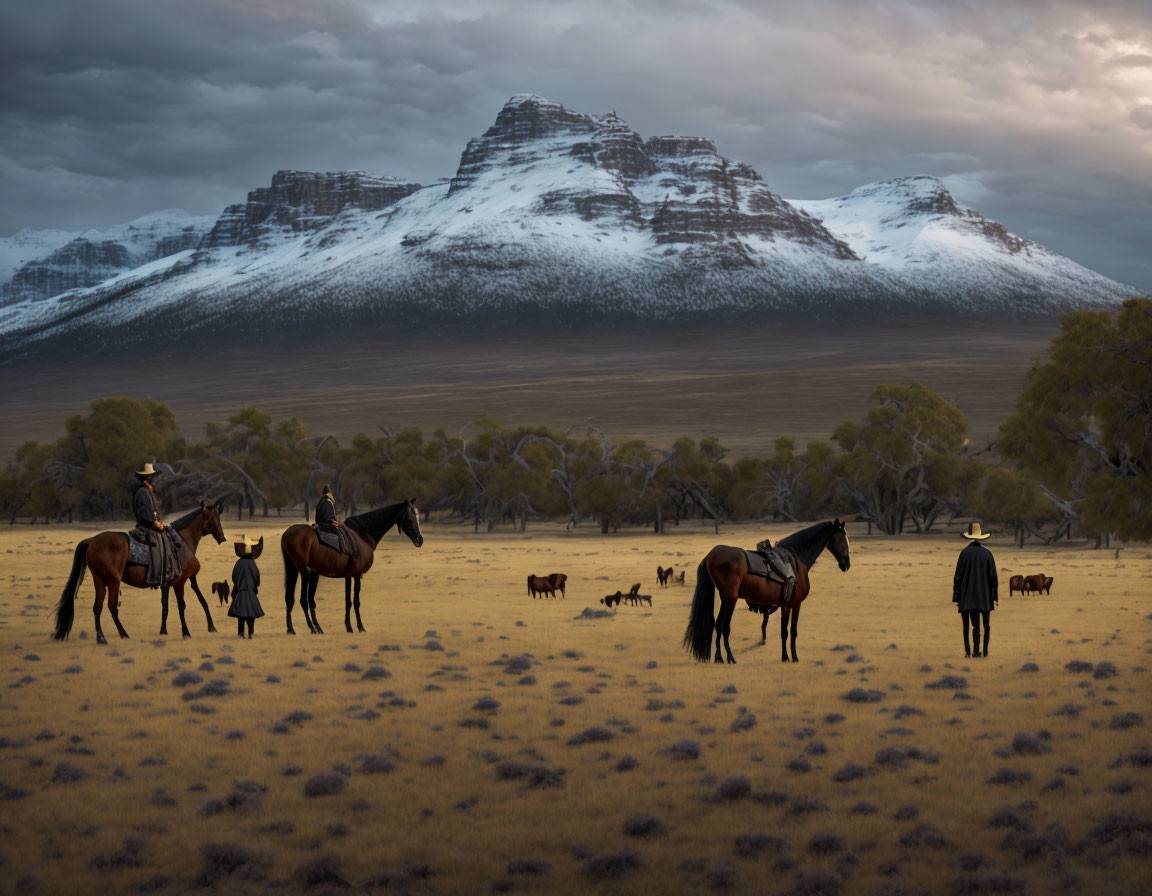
(291, 632)
(362, 630)
(212, 629)
(100, 639)
(163, 631)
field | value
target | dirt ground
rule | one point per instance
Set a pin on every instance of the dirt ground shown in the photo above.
(476, 740)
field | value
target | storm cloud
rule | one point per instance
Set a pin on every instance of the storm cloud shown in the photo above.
(1037, 113)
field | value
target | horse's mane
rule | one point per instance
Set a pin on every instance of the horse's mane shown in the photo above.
(375, 523)
(186, 519)
(807, 543)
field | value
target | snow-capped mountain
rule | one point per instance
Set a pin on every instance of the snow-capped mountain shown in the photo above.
(46, 263)
(556, 213)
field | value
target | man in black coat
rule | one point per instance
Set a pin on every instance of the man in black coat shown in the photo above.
(975, 589)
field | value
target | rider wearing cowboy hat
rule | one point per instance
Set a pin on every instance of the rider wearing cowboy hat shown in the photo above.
(147, 510)
(975, 589)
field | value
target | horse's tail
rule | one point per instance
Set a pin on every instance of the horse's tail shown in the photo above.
(701, 621)
(66, 608)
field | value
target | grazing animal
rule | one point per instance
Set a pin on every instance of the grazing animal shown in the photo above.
(725, 569)
(538, 585)
(612, 599)
(1039, 583)
(680, 578)
(306, 558)
(106, 557)
(556, 582)
(223, 590)
(1015, 583)
(663, 576)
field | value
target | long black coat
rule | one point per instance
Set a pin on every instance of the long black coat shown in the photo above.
(245, 585)
(975, 585)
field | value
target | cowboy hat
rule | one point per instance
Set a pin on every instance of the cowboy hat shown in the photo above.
(147, 472)
(974, 533)
(244, 547)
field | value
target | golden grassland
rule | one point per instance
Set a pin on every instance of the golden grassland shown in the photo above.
(477, 740)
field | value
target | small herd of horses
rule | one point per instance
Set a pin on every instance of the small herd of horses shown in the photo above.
(633, 597)
(1037, 584)
(547, 586)
(723, 570)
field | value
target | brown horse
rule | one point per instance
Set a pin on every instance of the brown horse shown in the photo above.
(306, 558)
(106, 556)
(726, 568)
(538, 585)
(557, 582)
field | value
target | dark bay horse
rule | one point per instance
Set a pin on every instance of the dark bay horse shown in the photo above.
(725, 569)
(106, 557)
(305, 557)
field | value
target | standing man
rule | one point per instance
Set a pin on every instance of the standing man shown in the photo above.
(975, 589)
(146, 507)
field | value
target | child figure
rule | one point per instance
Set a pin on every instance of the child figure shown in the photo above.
(246, 584)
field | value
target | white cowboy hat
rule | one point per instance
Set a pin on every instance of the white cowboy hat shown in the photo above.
(148, 470)
(243, 546)
(974, 533)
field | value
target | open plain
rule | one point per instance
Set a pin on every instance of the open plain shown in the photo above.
(476, 740)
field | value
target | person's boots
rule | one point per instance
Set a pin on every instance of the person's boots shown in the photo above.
(987, 634)
(240, 627)
(967, 643)
(975, 641)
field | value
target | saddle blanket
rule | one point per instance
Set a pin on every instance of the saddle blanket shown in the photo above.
(780, 571)
(331, 539)
(139, 552)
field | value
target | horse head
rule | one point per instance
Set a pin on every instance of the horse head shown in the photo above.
(211, 514)
(838, 545)
(410, 523)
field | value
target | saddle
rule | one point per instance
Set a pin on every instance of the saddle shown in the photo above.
(174, 554)
(774, 564)
(338, 539)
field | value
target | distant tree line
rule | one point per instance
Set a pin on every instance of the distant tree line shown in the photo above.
(1074, 458)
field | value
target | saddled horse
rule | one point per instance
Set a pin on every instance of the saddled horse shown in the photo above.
(307, 558)
(725, 569)
(106, 556)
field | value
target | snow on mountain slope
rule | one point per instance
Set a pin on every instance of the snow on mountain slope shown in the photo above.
(28, 245)
(89, 258)
(552, 212)
(914, 228)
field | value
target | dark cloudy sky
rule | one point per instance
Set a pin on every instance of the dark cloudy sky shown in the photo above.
(1038, 113)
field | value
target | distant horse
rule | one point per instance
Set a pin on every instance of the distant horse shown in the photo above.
(106, 556)
(556, 582)
(223, 590)
(538, 585)
(680, 578)
(306, 558)
(1039, 583)
(1015, 583)
(663, 576)
(612, 599)
(726, 568)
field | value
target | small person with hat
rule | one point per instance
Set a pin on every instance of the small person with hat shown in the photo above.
(246, 585)
(975, 589)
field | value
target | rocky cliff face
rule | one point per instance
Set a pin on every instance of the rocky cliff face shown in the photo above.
(92, 257)
(303, 201)
(555, 214)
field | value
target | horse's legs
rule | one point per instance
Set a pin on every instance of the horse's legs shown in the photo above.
(114, 605)
(313, 581)
(348, 603)
(203, 603)
(290, 574)
(763, 627)
(356, 606)
(180, 604)
(727, 610)
(163, 609)
(98, 607)
(785, 615)
(304, 578)
(795, 625)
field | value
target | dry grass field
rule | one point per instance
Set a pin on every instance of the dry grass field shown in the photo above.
(476, 740)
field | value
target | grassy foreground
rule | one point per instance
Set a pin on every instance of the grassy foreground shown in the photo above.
(476, 740)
